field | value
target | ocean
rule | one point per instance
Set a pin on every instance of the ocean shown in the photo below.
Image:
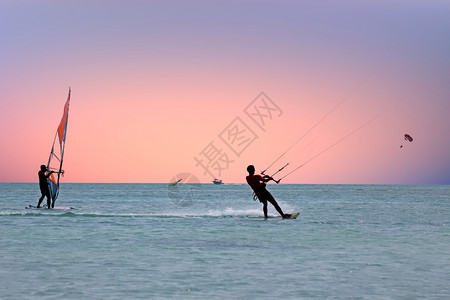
(205, 241)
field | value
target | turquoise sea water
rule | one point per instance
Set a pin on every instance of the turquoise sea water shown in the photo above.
(151, 241)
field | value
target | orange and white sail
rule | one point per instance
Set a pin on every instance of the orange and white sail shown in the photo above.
(55, 161)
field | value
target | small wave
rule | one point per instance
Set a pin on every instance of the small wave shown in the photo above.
(213, 213)
(240, 213)
(37, 214)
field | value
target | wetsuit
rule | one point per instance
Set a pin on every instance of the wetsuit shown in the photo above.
(43, 185)
(257, 183)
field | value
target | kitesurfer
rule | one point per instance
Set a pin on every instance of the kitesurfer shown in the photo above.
(258, 184)
(43, 185)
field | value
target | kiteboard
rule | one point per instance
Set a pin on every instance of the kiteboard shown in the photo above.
(292, 216)
(45, 207)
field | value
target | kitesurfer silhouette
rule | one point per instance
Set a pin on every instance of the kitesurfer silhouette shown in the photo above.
(258, 184)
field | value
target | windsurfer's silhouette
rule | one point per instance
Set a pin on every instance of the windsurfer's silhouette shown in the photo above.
(258, 184)
(43, 185)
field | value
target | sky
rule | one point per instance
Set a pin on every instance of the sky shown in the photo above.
(162, 89)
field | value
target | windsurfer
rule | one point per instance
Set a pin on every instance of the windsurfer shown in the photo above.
(43, 185)
(258, 184)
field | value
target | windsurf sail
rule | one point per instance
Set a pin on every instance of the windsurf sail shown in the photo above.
(55, 161)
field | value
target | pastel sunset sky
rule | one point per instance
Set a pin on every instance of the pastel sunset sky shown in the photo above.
(162, 88)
